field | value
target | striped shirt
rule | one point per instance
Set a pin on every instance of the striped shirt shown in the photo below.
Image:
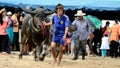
(83, 29)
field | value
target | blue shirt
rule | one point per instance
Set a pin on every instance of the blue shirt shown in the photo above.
(83, 29)
(60, 24)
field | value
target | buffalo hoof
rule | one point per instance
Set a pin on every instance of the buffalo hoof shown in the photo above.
(42, 58)
(20, 57)
(36, 59)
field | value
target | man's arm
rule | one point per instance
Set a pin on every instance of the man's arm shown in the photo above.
(66, 31)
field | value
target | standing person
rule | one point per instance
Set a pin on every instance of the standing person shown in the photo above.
(9, 31)
(61, 24)
(89, 42)
(81, 34)
(3, 34)
(67, 42)
(104, 45)
(114, 37)
(106, 28)
(14, 17)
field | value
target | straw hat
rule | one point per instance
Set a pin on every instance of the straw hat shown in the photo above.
(80, 13)
(9, 13)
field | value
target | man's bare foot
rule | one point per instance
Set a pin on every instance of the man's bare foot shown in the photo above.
(58, 63)
(54, 62)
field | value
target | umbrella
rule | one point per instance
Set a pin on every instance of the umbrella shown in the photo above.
(94, 21)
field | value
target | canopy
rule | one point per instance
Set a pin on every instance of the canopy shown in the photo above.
(48, 4)
(104, 5)
(69, 4)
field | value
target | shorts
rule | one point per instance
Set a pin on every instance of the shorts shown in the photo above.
(58, 40)
(72, 43)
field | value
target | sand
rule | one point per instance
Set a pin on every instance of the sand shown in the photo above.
(12, 61)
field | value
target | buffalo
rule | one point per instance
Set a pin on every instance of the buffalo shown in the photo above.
(33, 29)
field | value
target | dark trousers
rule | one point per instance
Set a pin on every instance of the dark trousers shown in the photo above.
(79, 44)
(8, 47)
(3, 43)
(119, 50)
(114, 49)
(15, 45)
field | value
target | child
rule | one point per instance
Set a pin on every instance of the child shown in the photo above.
(67, 42)
(104, 45)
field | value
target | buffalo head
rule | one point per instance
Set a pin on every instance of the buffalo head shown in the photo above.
(38, 16)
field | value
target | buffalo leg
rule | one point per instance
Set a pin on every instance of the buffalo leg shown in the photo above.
(43, 52)
(21, 51)
(37, 53)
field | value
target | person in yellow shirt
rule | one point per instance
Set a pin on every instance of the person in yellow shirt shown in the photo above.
(14, 17)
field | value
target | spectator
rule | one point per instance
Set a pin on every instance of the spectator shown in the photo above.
(3, 35)
(114, 37)
(14, 17)
(10, 32)
(104, 45)
(106, 28)
(81, 34)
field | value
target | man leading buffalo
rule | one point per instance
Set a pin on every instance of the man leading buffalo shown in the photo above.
(61, 23)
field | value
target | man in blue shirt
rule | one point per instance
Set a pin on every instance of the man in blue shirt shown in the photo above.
(61, 24)
(81, 34)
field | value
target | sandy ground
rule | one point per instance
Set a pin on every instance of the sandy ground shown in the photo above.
(12, 61)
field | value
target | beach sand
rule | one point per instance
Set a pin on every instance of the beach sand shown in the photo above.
(12, 61)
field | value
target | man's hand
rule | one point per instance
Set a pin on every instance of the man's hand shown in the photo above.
(64, 37)
(47, 23)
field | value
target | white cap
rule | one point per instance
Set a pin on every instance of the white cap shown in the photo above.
(9, 13)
